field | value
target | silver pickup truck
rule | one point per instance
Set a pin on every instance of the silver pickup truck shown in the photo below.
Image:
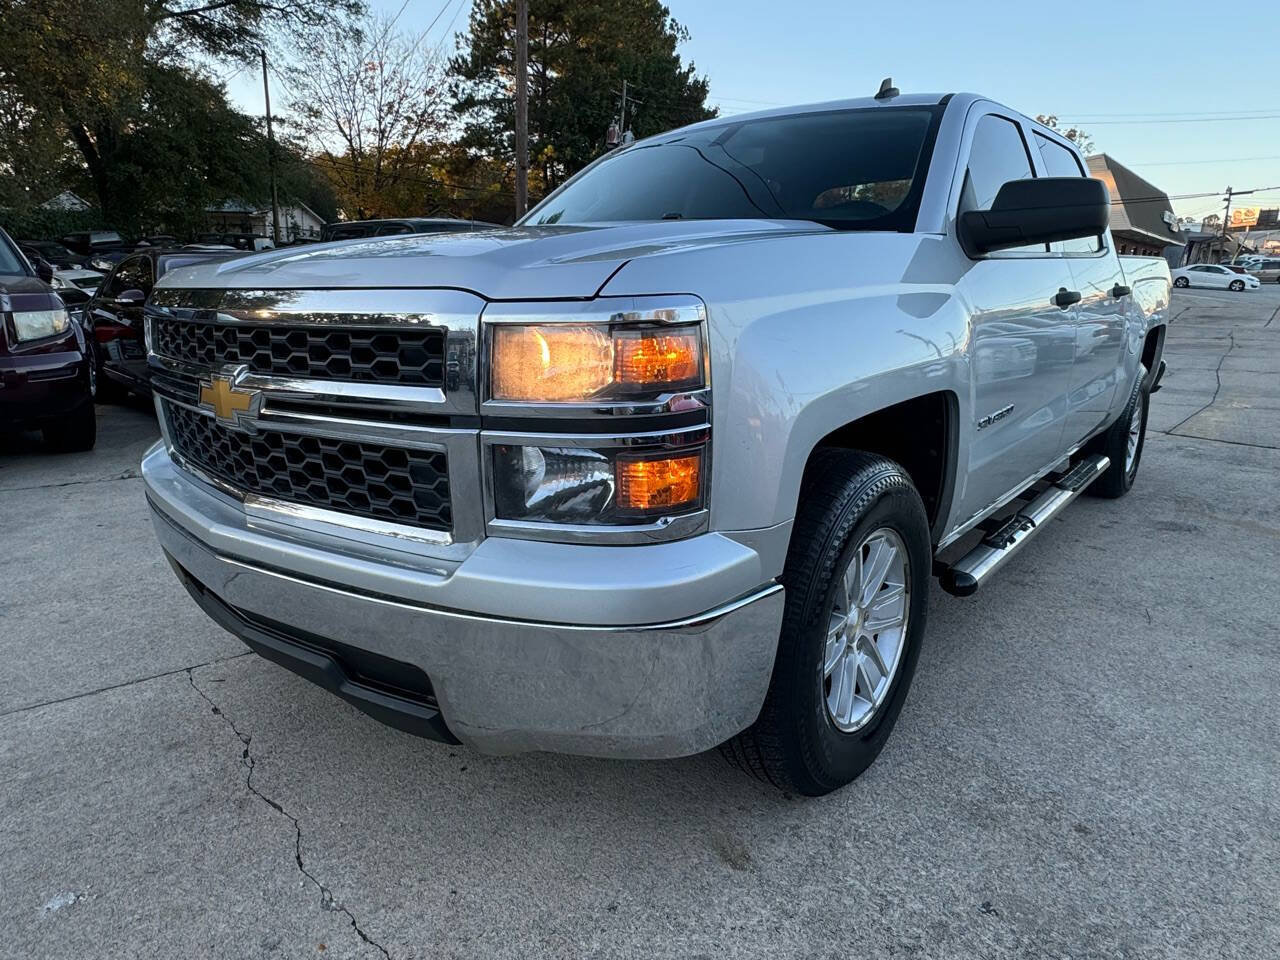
(671, 464)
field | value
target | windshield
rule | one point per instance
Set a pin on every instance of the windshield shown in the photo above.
(853, 169)
(9, 261)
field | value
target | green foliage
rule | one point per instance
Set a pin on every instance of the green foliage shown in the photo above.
(579, 53)
(101, 96)
(1077, 136)
(33, 223)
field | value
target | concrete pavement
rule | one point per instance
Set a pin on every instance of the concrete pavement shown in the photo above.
(1085, 767)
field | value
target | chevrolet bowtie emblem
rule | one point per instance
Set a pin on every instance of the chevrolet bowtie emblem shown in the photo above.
(228, 402)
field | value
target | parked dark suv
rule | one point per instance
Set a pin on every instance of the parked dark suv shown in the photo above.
(115, 313)
(354, 229)
(47, 378)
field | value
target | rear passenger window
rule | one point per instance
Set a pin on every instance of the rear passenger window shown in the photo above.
(998, 155)
(1061, 162)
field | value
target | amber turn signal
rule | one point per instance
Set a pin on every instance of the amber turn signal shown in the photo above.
(565, 363)
(653, 359)
(659, 483)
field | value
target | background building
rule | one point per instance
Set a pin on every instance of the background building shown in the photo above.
(1142, 219)
(297, 220)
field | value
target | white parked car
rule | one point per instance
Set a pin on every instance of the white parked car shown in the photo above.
(86, 280)
(1213, 275)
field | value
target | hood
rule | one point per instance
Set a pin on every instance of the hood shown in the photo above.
(512, 264)
(20, 292)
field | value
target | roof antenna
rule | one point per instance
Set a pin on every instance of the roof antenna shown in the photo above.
(887, 89)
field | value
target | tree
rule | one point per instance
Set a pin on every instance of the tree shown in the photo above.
(371, 104)
(1077, 136)
(86, 65)
(580, 51)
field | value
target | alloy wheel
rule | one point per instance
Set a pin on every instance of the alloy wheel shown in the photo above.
(1135, 435)
(866, 630)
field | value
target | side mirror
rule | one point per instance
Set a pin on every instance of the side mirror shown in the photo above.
(1038, 211)
(130, 298)
(44, 270)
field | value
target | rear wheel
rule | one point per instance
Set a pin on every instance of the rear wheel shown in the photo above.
(1123, 442)
(856, 578)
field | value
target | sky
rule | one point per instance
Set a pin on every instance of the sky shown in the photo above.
(1146, 80)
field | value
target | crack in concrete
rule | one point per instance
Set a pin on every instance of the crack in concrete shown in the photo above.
(1217, 373)
(327, 901)
(122, 684)
(126, 475)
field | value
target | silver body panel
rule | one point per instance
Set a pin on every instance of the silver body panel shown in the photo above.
(807, 330)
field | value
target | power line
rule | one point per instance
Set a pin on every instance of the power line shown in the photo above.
(1218, 119)
(1175, 163)
(1154, 113)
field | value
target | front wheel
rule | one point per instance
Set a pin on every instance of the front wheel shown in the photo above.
(1237, 285)
(857, 580)
(1181, 282)
(77, 431)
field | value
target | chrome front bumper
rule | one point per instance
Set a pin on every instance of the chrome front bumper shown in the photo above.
(660, 650)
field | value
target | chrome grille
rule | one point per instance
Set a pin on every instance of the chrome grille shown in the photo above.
(396, 484)
(407, 356)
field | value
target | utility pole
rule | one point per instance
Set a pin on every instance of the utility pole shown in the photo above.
(522, 107)
(271, 155)
(622, 114)
(1226, 216)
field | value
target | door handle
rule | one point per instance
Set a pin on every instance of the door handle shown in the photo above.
(1120, 290)
(1065, 298)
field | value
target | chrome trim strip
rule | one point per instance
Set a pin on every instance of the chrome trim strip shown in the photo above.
(658, 439)
(666, 528)
(673, 309)
(455, 313)
(695, 622)
(665, 403)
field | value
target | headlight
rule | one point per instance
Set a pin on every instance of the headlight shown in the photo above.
(569, 362)
(57, 282)
(98, 263)
(38, 324)
(595, 486)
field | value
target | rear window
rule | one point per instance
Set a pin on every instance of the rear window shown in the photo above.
(349, 233)
(852, 169)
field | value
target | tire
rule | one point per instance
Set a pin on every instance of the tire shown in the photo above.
(852, 505)
(76, 432)
(1237, 285)
(1114, 442)
(108, 390)
(1181, 282)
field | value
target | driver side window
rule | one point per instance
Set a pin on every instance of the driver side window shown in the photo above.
(998, 154)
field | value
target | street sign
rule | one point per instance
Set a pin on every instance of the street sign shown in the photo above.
(1244, 217)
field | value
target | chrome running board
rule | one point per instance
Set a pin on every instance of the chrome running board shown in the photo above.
(963, 577)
